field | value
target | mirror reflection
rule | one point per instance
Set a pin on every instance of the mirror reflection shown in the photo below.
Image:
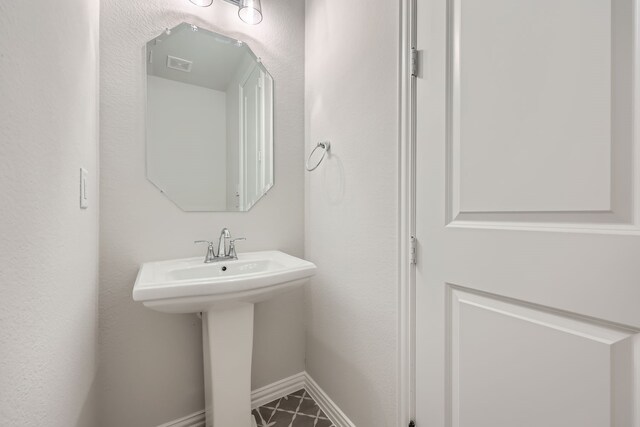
(209, 120)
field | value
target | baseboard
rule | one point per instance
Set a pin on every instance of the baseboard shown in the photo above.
(327, 405)
(275, 391)
(278, 389)
(196, 419)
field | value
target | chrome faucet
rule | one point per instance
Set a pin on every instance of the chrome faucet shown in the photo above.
(222, 242)
(224, 252)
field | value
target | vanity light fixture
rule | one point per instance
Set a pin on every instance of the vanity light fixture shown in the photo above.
(202, 3)
(249, 11)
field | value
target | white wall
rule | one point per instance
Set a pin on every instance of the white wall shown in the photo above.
(187, 143)
(151, 363)
(48, 245)
(352, 205)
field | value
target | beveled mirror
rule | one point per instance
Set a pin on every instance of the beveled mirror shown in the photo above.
(209, 120)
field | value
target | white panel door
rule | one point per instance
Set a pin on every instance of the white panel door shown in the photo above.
(527, 218)
(252, 131)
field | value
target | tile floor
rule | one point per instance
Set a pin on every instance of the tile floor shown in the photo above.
(295, 410)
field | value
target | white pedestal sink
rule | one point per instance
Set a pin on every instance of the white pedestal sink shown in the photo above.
(225, 293)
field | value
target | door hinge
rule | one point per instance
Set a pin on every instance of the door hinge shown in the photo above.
(412, 424)
(414, 250)
(415, 63)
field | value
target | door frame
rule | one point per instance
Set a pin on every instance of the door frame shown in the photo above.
(406, 363)
(406, 218)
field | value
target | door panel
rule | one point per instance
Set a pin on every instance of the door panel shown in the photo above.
(535, 367)
(528, 271)
(531, 98)
(251, 93)
(538, 120)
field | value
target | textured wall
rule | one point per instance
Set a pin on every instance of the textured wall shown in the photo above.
(352, 205)
(48, 245)
(151, 363)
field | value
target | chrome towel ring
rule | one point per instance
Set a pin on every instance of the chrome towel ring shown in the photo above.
(326, 146)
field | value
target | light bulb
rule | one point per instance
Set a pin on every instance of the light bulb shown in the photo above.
(202, 3)
(250, 11)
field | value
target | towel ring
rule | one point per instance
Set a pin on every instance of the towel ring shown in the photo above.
(326, 146)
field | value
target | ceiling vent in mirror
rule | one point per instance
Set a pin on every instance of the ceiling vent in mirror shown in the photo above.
(179, 64)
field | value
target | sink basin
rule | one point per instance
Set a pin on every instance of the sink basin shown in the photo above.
(225, 292)
(190, 286)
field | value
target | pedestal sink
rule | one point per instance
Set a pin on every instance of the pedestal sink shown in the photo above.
(225, 293)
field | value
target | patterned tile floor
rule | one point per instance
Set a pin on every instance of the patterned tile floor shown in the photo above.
(295, 410)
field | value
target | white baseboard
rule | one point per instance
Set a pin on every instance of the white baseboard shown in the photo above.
(196, 419)
(278, 389)
(327, 405)
(275, 391)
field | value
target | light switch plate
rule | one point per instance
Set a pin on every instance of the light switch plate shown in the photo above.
(84, 199)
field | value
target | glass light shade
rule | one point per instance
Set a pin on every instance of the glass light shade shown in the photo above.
(202, 3)
(250, 11)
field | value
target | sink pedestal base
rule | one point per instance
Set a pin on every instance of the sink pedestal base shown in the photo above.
(228, 345)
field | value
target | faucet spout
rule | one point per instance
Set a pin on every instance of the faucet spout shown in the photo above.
(222, 242)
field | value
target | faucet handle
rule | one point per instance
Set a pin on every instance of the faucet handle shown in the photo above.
(211, 253)
(232, 247)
